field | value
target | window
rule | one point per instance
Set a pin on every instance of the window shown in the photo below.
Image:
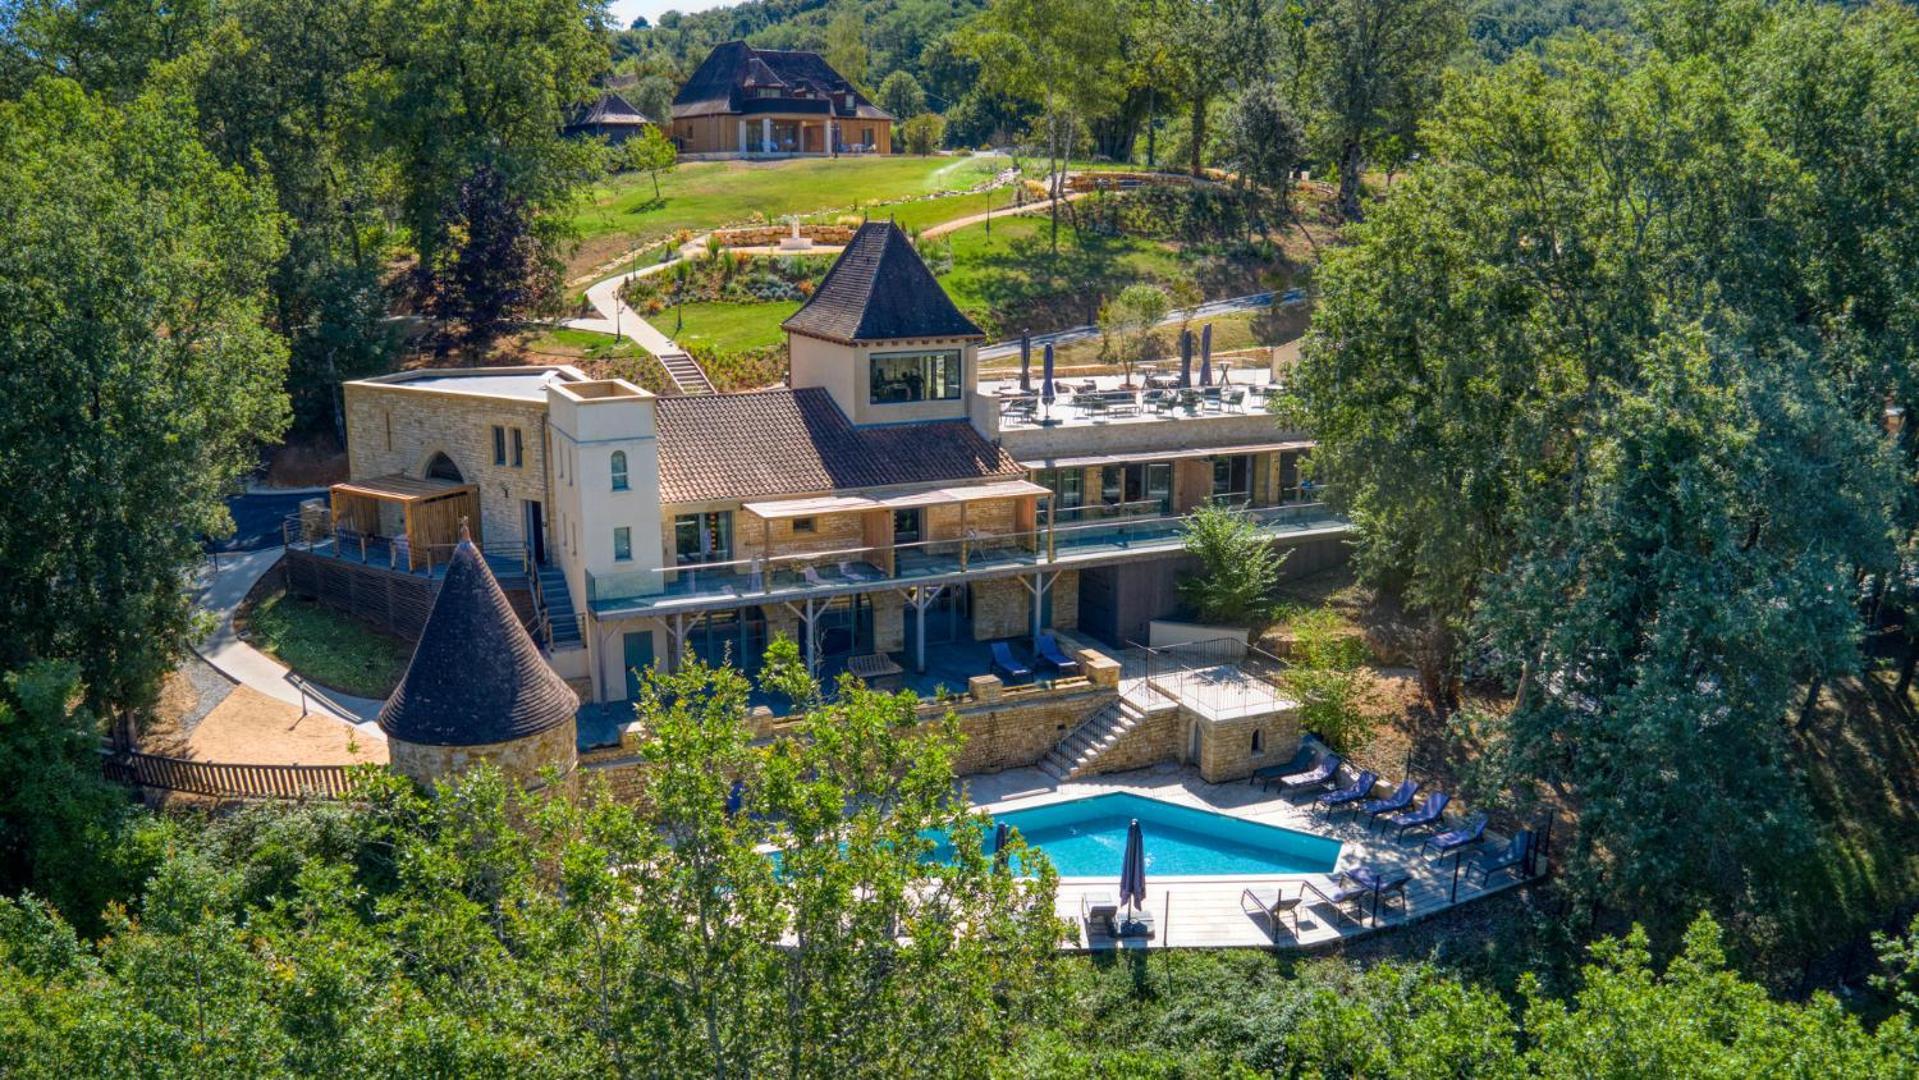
(1233, 479)
(1259, 742)
(1144, 487)
(519, 449)
(619, 470)
(703, 538)
(623, 544)
(803, 526)
(499, 445)
(906, 526)
(901, 378)
(1067, 485)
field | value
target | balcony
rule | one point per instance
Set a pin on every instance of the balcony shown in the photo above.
(1102, 401)
(866, 569)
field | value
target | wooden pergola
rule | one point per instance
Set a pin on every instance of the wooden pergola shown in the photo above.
(430, 512)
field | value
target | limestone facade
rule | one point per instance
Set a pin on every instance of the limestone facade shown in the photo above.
(520, 760)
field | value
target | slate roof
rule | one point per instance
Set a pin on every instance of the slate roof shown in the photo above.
(476, 678)
(610, 109)
(796, 442)
(716, 86)
(879, 290)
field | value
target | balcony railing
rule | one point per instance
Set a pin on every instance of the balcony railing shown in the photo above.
(859, 569)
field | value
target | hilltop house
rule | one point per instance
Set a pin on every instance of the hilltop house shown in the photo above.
(747, 102)
(887, 510)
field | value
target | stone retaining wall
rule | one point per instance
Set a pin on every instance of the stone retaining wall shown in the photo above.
(771, 235)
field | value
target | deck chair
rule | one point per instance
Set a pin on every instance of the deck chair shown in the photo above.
(1472, 833)
(1430, 814)
(1053, 656)
(1324, 774)
(1005, 666)
(1348, 796)
(1516, 856)
(1300, 760)
(1400, 799)
(1283, 908)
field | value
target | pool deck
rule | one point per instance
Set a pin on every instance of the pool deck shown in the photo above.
(1207, 912)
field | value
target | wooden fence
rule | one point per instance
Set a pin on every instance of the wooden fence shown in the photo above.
(393, 600)
(230, 781)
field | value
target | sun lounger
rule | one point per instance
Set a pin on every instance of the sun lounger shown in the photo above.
(1431, 813)
(1350, 795)
(1381, 887)
(1321, 775)
(1053, 656)
(1300, 760)
(1400, 799)
(1517, 856)
(1005, 666)
(1282, 908)
(1466, 837)
(1098, 911)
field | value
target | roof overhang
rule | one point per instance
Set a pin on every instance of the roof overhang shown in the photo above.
(1084, 460)
(402, 489)
(776, 509)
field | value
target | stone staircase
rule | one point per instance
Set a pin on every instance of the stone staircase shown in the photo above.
(1082, 747)
(686, 373)
(557, 608)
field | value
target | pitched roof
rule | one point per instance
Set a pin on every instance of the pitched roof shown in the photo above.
(786, 442)
(476, 677)
(880, 289)
(609, 108)
(715, 86)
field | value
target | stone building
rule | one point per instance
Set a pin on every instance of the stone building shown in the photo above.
(478, 689)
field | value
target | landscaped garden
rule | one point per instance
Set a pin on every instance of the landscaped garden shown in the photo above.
(334, 650)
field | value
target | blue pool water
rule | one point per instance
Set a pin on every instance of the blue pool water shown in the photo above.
(1087, 838)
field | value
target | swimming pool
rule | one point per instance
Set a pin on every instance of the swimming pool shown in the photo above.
(1087, 838)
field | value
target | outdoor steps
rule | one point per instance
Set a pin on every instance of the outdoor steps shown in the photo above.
(559, 612)
(686, 373)
(1082, 747)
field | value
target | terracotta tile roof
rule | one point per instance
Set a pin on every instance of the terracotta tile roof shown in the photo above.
(880, 289)
(796, 442)
(476, 678)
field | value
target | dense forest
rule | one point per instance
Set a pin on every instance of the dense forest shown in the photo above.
(1610, 365)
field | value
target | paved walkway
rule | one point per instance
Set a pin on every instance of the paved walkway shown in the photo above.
(221, 592)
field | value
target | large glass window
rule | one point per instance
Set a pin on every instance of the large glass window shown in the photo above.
(906, 526)
(1143, 487)
(1067, 485)
(703, 538)
(901, 378)
(1233, 479)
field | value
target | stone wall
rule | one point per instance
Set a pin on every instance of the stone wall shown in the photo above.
(1017, 730)
(520, 760)
(771, 235)
(396, 429)
(1226, 747)
(1156, 739)
(1002, 608)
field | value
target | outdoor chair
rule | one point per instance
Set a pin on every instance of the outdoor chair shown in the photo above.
(1283, 908)
(1516, 856)
(1350, 795)
(1381, 888)
(1005, 666)
(811, 575)
(1323, 774)
(1049, 652)
(1090, 403)
(1099, 912)
(1300, 761)
(1473, 832)
(1431, 813)
(1234, 398)
(1400, 799)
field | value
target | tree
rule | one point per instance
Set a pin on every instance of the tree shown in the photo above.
(923, 133)
(653, 97)
(1131, 318)
(900, 94)
(1265, 142)
(651, 153)
(846, 45)
(1200, 47)
(1325, 671)
(1376, 66)
(1570, 379)
(500, 272)
(1237, 567)
(136, 377)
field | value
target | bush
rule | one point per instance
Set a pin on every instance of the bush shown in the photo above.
(1238, 568)
(923, 133)
(1327, 676)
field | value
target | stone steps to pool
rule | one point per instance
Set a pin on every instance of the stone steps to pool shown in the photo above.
(1082, 747)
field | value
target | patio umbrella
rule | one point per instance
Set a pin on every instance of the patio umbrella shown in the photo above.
(1046, 391)
(1185, 358)
(735, 798)
(1001, 834)
(1206, 355)
(1132, 869)
(1026, 362)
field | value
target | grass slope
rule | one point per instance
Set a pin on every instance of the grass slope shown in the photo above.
(621, 213)
(332, 649)
(729, 326)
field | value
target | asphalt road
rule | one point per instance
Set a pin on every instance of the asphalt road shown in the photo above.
(1228, 306)
(256, 519)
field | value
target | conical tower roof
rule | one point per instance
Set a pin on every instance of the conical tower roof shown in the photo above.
(880, 289)
(476, 677)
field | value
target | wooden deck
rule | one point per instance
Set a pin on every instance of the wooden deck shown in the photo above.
(1209, 912)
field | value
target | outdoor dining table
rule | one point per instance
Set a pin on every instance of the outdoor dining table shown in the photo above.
(1163, 382)
(873, 668)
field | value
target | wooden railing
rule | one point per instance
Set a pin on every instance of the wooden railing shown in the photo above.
(231, 781)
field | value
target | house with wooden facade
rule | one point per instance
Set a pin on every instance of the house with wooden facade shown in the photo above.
(748, 102)
(889, 510)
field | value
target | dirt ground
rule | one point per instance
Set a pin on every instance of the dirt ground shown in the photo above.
(253, 729)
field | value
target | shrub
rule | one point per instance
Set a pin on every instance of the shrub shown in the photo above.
(1238, 568)
(1327, 676)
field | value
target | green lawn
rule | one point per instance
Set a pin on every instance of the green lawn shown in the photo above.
(332, 649)
(1013, 279)
(621, 212)
(728, 327)
(584, 344)
(925, 213)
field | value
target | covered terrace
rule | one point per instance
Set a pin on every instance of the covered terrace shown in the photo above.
(416, 522)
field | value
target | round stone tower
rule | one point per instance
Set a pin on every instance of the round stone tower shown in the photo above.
(477, 688)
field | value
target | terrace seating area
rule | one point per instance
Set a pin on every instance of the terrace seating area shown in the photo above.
(1106, 399)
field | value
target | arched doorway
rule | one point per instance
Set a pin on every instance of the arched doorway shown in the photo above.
(441, 467)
